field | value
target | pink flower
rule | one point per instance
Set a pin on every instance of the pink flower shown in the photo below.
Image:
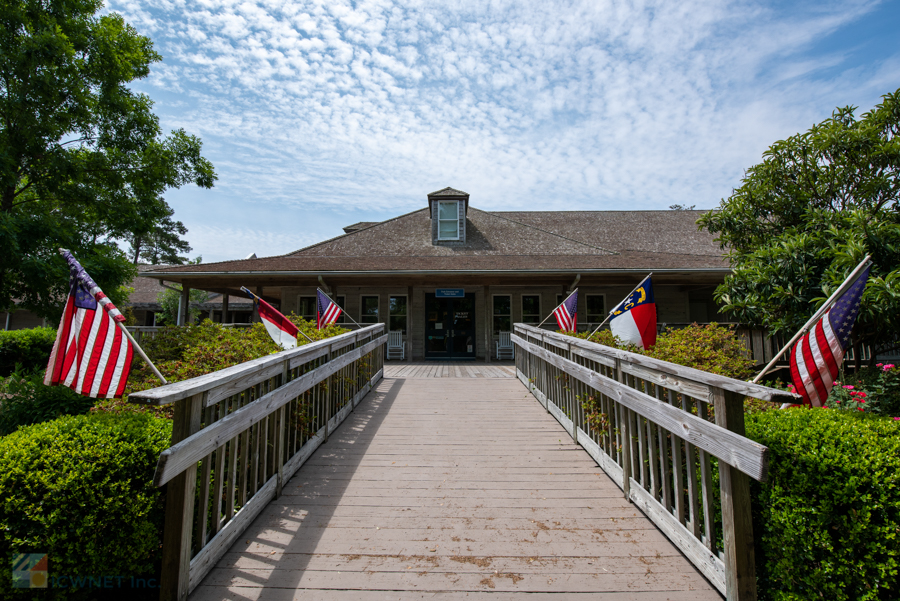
(848, 387)
(860, 409)
(879, 364)
(897, 419)
(887, 367)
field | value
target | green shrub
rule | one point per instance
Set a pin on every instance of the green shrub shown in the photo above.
(827, 522)
(185, 352)
(80, 489)
(711, 348)
(24, 400)
(30, 348)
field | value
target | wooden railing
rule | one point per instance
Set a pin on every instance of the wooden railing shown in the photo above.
(649, 428)
(240, 433)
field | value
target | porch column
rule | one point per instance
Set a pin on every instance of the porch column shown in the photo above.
(225, 308)
(488, 324)
(409, 322)
(184, 308)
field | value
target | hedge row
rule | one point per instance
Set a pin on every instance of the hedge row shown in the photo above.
(83, 494)
(827, 522)
(29, 348)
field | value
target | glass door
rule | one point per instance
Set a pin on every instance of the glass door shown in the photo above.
(450, 327)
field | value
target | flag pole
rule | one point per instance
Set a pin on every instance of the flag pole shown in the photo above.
(851, 279)
(141, 352)
(557, 307)
(620, 302)
(247, 291)
(342, 309)
(131, 339)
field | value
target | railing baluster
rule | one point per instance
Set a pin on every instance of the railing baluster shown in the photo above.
(179, 518)
(709, 530)
(658, 476)
(677, 467)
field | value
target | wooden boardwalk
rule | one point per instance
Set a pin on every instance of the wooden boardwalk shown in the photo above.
(451, 489)
(450, 369)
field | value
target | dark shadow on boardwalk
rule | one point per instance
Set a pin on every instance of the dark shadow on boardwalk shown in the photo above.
(452, 488)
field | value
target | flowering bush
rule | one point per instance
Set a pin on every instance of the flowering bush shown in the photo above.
(873, 390)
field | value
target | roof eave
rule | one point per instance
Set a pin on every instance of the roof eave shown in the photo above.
(174, 275)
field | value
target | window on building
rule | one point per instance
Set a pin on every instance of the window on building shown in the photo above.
(596, 308)
(531, 308)
(306, 307)
(502, 314)
(448, 220)
(397, 312)
(368, 312)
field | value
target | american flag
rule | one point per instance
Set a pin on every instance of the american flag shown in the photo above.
(91, 355)
(566, 314)
(816, 357)
(327, 311)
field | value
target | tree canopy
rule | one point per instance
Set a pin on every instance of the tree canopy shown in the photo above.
(806, 215)
(83, 161)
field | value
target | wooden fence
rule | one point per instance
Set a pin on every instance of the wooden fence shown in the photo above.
(649, 428)
(240, 433)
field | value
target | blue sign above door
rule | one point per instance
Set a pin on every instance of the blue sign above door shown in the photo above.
(450, 293)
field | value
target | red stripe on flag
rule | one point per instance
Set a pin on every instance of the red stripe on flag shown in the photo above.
(96, 354)
(110, 364)
(825, 349)
(126, 370)
(795, 374)
(62, 339)
(814, 376)
(82, 338)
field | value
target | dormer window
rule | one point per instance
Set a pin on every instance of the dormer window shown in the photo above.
(448, 220)
(448, 208)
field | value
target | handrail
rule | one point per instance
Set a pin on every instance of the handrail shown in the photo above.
(241, 432)
(165, 395)
(646, 424)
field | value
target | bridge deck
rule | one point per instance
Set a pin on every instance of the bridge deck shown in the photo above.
(449, 488)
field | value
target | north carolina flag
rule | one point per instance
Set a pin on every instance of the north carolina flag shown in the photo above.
(634, 320)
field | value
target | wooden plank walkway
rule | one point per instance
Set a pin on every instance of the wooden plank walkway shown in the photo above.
(450, 369)
(451, 489)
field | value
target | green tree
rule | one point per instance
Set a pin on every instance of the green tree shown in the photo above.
(161, 244)
(807, 214)
(170, 299)
(83, 161)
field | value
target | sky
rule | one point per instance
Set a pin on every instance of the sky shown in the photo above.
(321, 114)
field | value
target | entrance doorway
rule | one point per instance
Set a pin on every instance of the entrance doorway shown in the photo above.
(450, 327)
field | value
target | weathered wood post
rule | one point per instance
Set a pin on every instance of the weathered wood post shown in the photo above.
(625, 436)
(737, 523)
(179, 519)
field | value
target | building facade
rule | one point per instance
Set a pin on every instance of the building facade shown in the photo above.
(451, 277)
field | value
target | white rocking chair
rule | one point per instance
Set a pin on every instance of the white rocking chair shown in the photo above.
(396, 347)
(505, 347)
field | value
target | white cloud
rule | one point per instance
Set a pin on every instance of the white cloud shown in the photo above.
(369, 105)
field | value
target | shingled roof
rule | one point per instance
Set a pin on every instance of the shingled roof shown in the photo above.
(505, 241)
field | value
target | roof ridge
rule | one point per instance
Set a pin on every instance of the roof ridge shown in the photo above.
(606, 250)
